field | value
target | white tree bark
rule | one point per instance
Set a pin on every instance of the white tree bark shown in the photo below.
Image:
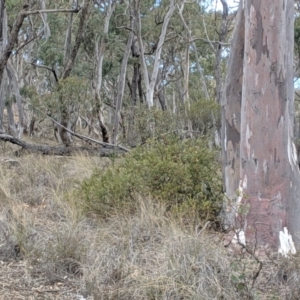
(150, 81)
(100, 47)
(191, 41)
(47, 31)
(121, 86)
(15, 91)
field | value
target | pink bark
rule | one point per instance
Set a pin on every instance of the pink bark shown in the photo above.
(269, 176)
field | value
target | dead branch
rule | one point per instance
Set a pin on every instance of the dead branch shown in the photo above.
(47, 68)
(49, 11)
(83, 137)
(60, 150)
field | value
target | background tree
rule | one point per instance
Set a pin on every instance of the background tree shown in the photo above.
(58, 54)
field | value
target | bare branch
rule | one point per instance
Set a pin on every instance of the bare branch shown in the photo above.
(47, 68)
(26, 43)
(50, 11)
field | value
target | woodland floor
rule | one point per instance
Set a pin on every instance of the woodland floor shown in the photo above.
(49, 249)
(18, 283)
(19, 278)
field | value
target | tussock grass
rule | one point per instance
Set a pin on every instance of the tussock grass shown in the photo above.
(150, 257)
(148, 254)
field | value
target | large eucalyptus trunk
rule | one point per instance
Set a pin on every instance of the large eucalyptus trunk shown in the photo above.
(261, 174)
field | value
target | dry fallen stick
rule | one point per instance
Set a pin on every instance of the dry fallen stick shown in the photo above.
(61, 150)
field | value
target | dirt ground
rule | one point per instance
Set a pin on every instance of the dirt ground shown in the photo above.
(16, 283)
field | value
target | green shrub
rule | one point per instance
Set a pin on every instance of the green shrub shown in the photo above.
(152, 123)
(183, 174)
(205, 116)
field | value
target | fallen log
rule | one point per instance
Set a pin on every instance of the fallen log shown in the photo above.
(62, 150)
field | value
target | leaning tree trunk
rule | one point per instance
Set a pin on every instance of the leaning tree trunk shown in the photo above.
(150, 80)
(121, 87)
(267, 209)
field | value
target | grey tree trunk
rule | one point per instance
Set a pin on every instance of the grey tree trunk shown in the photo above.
(266, 207)
(3, 42)
(100, 48)
(218, 52)
(15, 90)
(121, 86)
(193, 44)
(60, 132)
(150, 80)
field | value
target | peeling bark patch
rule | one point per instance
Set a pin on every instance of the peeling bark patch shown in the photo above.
(239, 237)
(255, 162)
(266, 172)
(256, 42)
(276, 159)
(265, 49)
(292, 153)
(233, 134)
(282, 92)
(248, 136)
(242, 186)
(280, 121)
(286, 243)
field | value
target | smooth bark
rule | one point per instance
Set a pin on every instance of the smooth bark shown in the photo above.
(150, 81)
(100, 48)
(193, 44)
(268, 193)
(223, 31)
(231, 119)
(121, 87)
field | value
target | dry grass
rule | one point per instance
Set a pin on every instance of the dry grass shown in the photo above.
(49, 249)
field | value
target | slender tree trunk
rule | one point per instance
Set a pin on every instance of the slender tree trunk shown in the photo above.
(13, 38)
(136, 82)
(268, 206)
(190, 40)
(151, 81)
(100, 48)
(15, 91)
(160, 91)
(121, 86)
(47, 31)
(186, 75)
(218, 52)
(3, 42)
(78, 39)
(68, 39)
(61, 134)
(7, 44)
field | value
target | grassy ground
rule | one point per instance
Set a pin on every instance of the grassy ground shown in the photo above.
(50, 249)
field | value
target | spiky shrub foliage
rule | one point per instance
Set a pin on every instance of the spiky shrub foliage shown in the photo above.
(183, 174)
